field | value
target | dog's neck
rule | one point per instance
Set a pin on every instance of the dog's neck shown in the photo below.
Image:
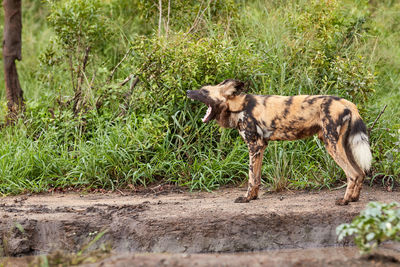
(236, 103)
(230, 111)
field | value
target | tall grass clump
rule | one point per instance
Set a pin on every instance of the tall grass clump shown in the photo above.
(106, 82)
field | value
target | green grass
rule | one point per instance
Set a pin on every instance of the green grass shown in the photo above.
(345, 48)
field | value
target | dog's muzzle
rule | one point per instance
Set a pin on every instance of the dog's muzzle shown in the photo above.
(189, 93)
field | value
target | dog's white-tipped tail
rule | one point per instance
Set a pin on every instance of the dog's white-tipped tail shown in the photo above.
(361, 150)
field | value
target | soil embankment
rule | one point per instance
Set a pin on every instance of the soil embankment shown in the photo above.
(177, 222)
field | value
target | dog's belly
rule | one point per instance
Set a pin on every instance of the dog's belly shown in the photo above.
(291, 132)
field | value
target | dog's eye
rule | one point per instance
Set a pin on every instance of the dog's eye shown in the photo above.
(205, 92)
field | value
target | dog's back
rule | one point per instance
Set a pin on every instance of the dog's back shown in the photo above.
(292, 117)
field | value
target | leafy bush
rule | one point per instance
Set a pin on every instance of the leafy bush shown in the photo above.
(81, 28)
(351, 79)
(169, 66)
(85, 127)
(80, 24)
(379, 222)
(323, 33)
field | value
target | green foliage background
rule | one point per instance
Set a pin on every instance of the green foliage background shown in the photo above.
(84, 127)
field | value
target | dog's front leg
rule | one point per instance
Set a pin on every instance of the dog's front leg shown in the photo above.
(256, 153)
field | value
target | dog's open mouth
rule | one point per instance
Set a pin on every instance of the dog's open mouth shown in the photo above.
(202, 97)
(207, 117)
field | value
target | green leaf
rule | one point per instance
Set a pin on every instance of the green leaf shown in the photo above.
(370, 236)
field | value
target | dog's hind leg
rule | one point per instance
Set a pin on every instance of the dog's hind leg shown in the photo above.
(358, 183)
(335, 145)
(357, 189)
(256, 153)
(340, 158)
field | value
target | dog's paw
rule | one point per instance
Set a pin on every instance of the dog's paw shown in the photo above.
(242, 200)
(354, 199)
(341, 202)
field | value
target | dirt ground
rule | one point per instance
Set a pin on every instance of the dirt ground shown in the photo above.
(337, 257)
(314, 257)
(164, 228)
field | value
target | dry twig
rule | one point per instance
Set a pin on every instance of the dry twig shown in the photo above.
(127, 79)
(377, 118)
(198, 17)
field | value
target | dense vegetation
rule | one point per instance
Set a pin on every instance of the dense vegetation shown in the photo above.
(105, 85)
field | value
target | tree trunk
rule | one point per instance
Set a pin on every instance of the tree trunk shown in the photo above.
(12, 52)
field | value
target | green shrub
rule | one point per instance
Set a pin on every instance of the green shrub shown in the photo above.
(80, 24)
(169, 66)
(379, 222)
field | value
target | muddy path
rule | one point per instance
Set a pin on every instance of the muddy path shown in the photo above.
(177, 222)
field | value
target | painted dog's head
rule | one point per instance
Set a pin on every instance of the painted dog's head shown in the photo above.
(216, 97)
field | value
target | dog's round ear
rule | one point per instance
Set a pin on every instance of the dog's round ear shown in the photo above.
(246, 86)
(242, 87)
(232, 88)
(239, 86)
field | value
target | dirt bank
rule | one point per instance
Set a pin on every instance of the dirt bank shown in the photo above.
(177, 222)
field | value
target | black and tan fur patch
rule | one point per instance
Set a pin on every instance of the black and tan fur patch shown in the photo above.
(263, 118)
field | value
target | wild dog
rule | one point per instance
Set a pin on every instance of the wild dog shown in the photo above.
(263, 118)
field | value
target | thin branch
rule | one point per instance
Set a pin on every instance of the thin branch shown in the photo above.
(128, 96)
(133, 85)
(81, 75)
(82, 69)
(127, 79)
(71, 69)
(92, 80)
(89, 87)
(198, 16)
(117, 66)
(160, 17)
(75, 100)
(377, 118)
(169, 11)
(85, 59)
